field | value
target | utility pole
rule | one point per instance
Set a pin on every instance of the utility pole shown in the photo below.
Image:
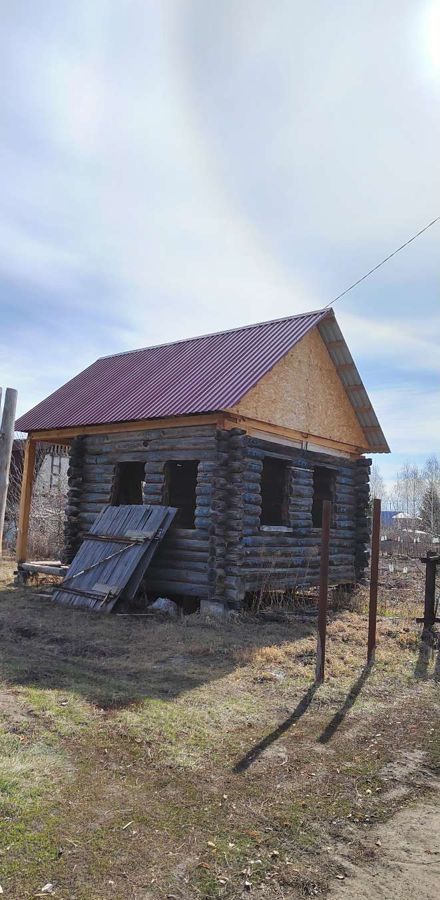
(6, 443)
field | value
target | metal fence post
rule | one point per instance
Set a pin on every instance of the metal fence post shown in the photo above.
(374, 579)
(429, 610)
(323, 591)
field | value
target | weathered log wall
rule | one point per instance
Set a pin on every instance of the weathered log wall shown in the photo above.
(181, 564)
(72, 525)
(362, 485)
(288, 557)
(227, 553)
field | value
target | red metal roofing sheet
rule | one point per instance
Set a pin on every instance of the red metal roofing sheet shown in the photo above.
(199, 375)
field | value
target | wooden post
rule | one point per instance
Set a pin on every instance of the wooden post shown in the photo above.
(430, 561)
(6, 443)
(323, 591)
(374, 579)
(25, 500)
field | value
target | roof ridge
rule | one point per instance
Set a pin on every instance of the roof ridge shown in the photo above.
(199, 337)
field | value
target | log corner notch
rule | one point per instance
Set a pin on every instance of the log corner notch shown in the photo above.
(25, 500)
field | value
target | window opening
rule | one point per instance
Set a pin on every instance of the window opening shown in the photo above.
(274, 492)
(323, 489)
(127, 485)
(180, 490)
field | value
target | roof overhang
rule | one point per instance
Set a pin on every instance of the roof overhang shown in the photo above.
(352, 382)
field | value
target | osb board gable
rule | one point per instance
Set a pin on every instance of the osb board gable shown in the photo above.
(304, 392)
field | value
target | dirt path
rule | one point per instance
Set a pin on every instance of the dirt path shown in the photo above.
(401, 860)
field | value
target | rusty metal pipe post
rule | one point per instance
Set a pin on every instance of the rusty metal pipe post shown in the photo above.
(374, 580)
(430, 561)
(323, 591)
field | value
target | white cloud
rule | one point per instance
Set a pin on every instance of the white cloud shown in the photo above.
(409, 416)
(169, 169)
(399, 343)
(43, 263)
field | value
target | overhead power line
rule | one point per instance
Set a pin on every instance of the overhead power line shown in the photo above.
(355, 283)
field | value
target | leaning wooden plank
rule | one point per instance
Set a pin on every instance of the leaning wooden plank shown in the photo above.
(113, 558)
(106, 563)
(138, 575)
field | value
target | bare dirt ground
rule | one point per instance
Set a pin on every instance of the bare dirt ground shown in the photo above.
(157, 760)
(404, 860)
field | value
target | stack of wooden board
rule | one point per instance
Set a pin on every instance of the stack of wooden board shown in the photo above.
(114, 556)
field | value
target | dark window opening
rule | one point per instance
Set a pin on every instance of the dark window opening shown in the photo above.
(274, 492)
(323, 489)
(127, 484)
(180, 491)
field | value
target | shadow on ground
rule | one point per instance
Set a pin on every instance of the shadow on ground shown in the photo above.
(302, 707)
(428, 662)
(115, 661)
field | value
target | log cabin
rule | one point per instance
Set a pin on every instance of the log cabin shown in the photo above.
(246, 432)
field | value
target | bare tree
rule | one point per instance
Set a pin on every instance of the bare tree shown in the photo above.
(377, 484)
(430, 510)
(409, 488)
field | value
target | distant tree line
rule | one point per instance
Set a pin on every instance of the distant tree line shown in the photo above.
(416, 492)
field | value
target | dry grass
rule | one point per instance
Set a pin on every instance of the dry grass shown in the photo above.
(150, 760)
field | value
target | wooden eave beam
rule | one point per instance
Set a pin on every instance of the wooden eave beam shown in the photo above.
(232, 420)
(25, 500)
(222, 419)
(66, 434)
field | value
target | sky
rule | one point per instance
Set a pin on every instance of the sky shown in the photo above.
(176, 168)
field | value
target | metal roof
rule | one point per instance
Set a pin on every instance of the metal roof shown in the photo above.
(199, 375)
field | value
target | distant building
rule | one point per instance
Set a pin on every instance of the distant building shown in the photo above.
(387, 516)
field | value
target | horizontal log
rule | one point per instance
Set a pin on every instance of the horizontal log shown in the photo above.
(182, 431)
(95, 497)
(296, 578)
(172, 565)
(96, 475)
(203, 512)
(343, 478)
(149, 434)
(168, 587)
(166, 558)
(265, 568)
(118, 456)
(176, 544)
(249, 485)
(253, 465)
(100, 440)
(270, 540)
(165, 445)
(250, 497)
(270, 447)
(296, 504)
(179, 455)
(204, 490)
(92, 508)
(42, 568)
(166, 576)
(253, 509)
(154, 478)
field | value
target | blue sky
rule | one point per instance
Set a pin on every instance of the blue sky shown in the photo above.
(179, 167)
